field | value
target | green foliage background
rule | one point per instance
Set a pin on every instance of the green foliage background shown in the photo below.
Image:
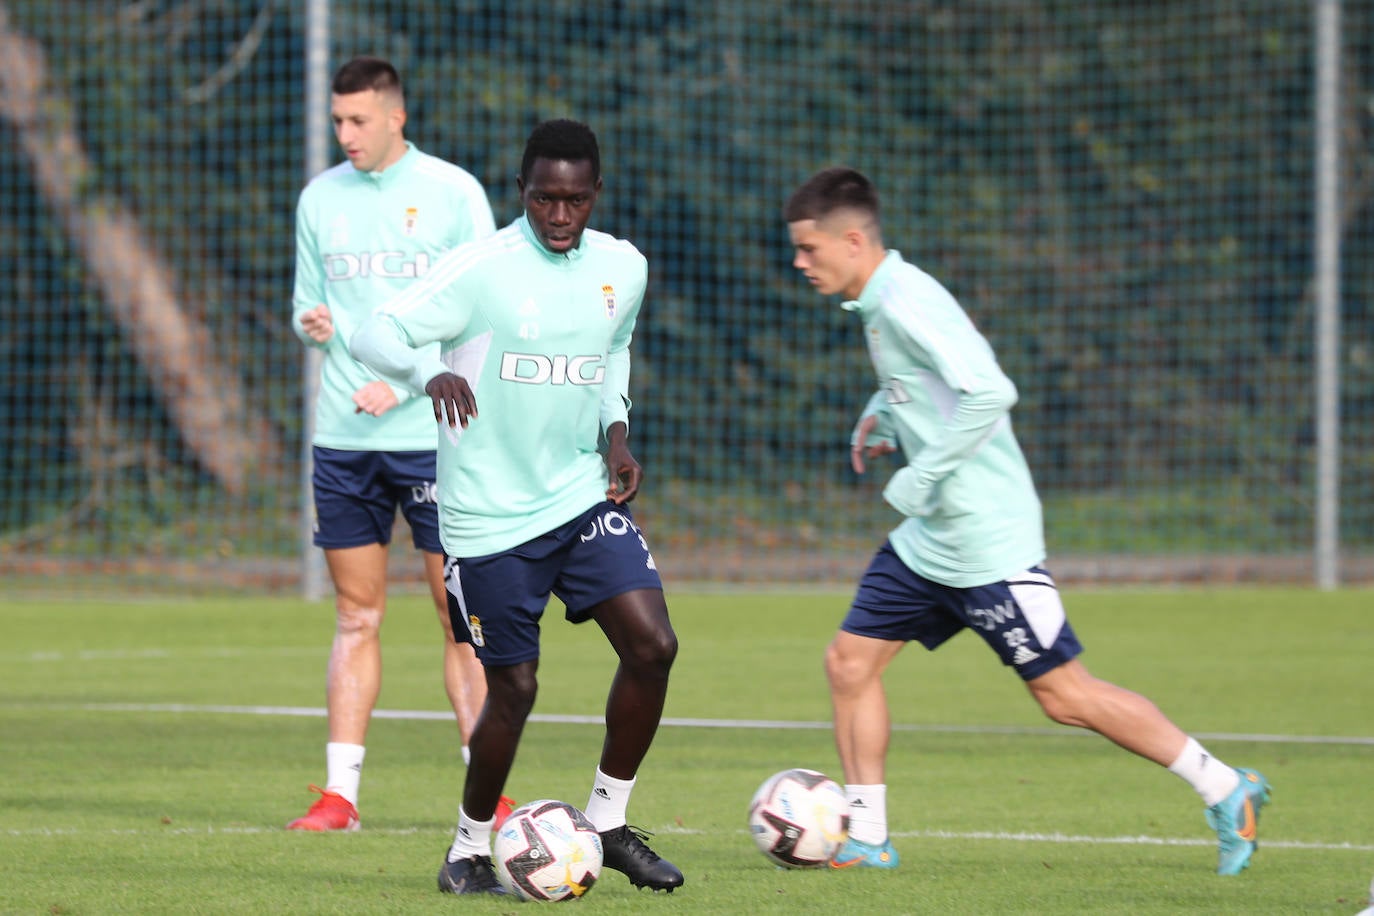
(1119, 193)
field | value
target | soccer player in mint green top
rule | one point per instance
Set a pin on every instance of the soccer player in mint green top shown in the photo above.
(366, 230)
(530, 386)
(967, 554)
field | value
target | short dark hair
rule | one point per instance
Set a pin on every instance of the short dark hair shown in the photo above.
(363, 73)
(563, 140)
(835, 188)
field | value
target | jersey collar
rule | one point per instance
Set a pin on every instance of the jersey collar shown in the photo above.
(868, 297)
(396, 171)
(555, 257)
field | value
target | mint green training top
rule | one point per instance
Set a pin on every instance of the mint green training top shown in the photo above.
(361, 239)
(543, 340)
(973, 516)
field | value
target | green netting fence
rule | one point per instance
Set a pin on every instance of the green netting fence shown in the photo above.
(1120, 193)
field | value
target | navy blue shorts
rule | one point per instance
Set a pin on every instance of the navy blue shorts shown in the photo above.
(496, 601)
(1021, 618)
(357, 493)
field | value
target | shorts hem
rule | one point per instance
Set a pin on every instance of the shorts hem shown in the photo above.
(489, 662)
(583, 613)
(365, 542)
(1031, 672)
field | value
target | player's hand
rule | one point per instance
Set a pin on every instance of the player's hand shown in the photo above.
(374, 398)
(626, 473)
(454, 402)
(318, 323)
(857, 448)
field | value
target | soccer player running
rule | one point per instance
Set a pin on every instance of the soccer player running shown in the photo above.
(535, 326)
(968, 553)
(365, 230)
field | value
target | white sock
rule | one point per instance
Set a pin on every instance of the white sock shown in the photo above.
(867, 813)
(1208, 776)
(344, 769)
(472, 838)
(467, 756)
(609, 799)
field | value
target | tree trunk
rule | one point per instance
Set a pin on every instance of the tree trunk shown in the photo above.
(202, 393)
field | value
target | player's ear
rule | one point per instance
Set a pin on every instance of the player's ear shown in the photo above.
(855, 240)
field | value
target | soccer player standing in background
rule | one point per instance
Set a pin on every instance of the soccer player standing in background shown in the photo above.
(967, 554)
(533, 376)
(367, 229)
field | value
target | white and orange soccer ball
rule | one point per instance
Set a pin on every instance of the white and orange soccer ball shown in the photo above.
(798, 818)
(547, 850)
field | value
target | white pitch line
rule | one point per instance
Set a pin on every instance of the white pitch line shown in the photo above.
(104, 655)
(1019, 837)
(972, 835)
(679, 722)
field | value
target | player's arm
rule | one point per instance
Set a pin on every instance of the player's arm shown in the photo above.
(615, 389)
(376, 398)
(382, 345)
(436, 308)
(873, 434)
(624, 471)
(984, 397)
(310, 317)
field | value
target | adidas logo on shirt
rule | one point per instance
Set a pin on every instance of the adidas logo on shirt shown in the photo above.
(1024, 655)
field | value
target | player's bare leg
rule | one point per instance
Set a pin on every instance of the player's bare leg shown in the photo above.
(636, 625)
(511, 690)
(854, 666)
(465, 681)
(353, 682)
(510, 697)
(355, 661)
(1071, 696)
(1234, 797)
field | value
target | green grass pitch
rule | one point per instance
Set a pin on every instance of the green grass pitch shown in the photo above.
(151, 751)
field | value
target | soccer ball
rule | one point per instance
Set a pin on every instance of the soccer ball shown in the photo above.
(798, 818)
(547, 850)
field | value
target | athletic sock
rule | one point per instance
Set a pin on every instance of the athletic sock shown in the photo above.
(472, 838)
(1209, 777)
(344, 769)
(609, 799)
(867, 813)
(467, 756)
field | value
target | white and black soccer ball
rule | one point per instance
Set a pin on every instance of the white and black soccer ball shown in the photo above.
(798, 818)
(547, 850)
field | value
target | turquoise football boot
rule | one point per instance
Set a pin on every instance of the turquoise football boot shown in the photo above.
(852, 853)
(1236, 821)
